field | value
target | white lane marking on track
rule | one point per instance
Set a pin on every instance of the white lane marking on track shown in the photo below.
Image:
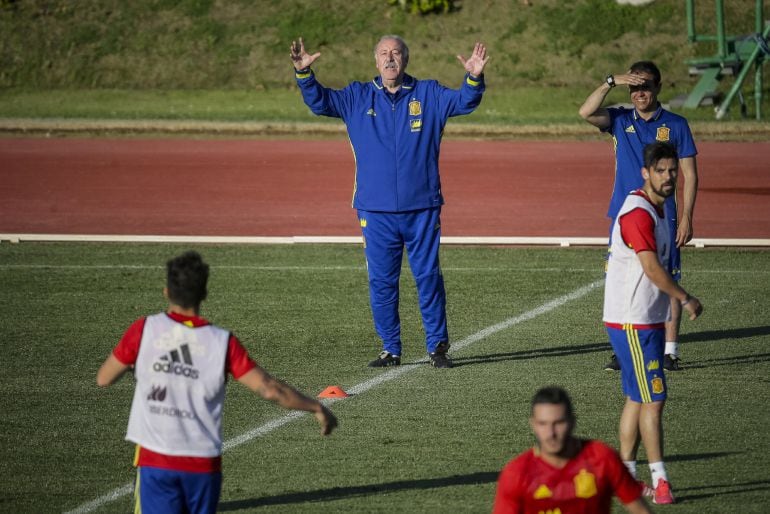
(357, 389)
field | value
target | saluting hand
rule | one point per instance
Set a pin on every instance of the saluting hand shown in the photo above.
(629, 79)
(476, 62)
(299, 57)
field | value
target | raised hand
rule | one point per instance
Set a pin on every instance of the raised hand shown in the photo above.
(299, 57)
(476, 62)
(629, 79)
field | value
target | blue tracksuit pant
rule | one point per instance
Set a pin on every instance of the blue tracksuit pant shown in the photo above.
(385, 236)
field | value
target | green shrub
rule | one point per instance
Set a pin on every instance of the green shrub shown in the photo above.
(425, 6)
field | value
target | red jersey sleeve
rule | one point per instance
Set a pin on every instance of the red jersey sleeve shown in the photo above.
(508, 498)
(637, 228)
(626, 488)
(238, 360)
(128, 347)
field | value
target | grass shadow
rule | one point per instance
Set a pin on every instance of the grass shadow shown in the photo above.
(730, 333)
(535, 353)
(727, 361)
(694, 457)
(337, 493)
(720, 490)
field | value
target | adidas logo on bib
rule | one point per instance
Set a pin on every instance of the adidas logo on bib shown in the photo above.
(177, 363)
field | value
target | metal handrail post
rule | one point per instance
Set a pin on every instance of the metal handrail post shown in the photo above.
(721, 43)
(758, 82)
(753, 58)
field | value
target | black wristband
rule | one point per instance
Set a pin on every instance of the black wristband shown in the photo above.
(302, 71)
(610, 80)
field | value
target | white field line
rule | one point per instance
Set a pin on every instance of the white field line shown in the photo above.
(362, 387)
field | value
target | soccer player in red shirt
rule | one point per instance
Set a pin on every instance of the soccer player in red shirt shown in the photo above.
(180, 362)
(563, 474)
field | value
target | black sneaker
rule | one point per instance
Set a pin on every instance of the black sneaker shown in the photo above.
(671, 362)
(439, 358)
(385, 359)
(613, 364)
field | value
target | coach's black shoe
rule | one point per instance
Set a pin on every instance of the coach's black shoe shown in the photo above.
(613, 364)
(439, 358)
(671, 362)
(385, 359)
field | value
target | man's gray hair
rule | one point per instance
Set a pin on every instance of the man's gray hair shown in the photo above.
(404, 48)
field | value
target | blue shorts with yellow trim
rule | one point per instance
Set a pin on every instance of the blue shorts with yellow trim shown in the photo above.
(640, 353)
(166, 491)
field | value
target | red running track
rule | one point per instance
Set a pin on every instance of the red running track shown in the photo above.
(303, 188)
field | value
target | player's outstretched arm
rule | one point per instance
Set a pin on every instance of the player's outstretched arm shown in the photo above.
(299, 57)
(110, 371)
(269, 388)
(477, 61)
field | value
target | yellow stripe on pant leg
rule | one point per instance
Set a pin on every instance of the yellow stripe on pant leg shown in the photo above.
(637, 356)
(630, 340)
(641, 377)
(643, 369)
(137, 503)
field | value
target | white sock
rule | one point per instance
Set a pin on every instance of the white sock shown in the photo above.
(658, 471)
(631, 465)
(672, 348)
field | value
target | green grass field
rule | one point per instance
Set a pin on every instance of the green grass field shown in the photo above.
(424, 441)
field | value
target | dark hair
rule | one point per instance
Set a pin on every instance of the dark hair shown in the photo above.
(553, 395)
(656, 151)
(186, 277)
(646, 67)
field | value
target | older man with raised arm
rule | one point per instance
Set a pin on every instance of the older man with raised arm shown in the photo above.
(395, 123)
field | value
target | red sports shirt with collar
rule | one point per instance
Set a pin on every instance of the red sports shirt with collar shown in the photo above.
(529, 485)
(237, 363)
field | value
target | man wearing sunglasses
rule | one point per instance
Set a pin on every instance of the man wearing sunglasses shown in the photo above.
(632, 130)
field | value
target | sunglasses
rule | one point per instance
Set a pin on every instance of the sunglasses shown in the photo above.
(648, 85)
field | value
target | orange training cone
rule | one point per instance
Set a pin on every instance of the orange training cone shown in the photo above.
(333, 392)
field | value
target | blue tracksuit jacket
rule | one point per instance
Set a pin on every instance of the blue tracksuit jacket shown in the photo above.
(395, 137)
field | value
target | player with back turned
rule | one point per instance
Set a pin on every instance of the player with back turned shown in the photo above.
(180, 362)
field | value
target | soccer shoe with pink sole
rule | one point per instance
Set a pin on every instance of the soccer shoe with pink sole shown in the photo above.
(663, 494)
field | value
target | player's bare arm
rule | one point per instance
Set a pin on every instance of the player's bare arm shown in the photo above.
(272, 389)
(592, 110)
(663, 281)
(477, 61)
(110, 371)
(689, 169)
(299, 56)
